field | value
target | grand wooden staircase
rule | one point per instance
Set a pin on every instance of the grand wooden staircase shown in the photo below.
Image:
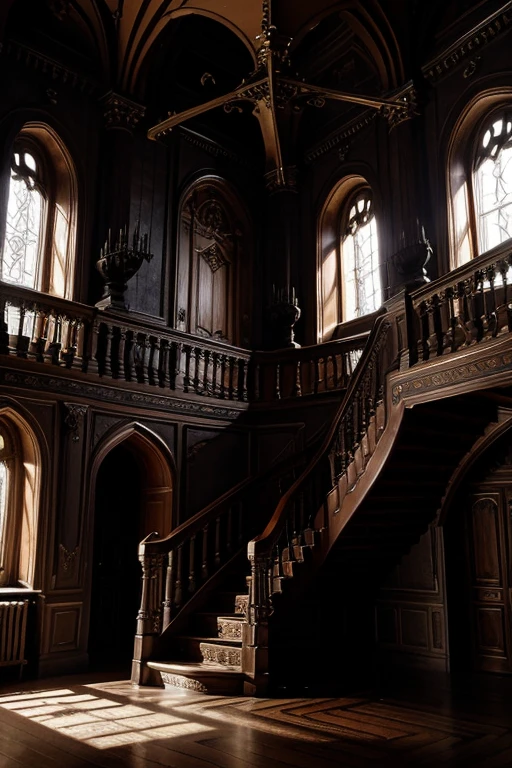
(342, 518)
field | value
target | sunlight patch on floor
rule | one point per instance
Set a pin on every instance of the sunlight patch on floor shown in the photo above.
(94, 720)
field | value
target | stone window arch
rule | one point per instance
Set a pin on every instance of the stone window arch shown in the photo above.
(39, 220)
(349, 282)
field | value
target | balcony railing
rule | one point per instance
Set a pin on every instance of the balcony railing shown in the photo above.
(53, 331)
(471, 304)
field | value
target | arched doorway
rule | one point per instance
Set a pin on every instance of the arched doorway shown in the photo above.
(133, 493)
(478, 537)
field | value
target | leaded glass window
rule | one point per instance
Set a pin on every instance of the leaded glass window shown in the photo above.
(493, 183)
(360, 259)
(23, 231)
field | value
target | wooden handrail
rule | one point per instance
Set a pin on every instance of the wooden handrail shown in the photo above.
(344, 452)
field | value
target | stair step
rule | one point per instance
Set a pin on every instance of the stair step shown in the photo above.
(221, 654)
(200, 678)
(230, 627)
(206, 622)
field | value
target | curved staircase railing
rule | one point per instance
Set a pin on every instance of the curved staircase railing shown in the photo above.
(177, 566)
(317, 495)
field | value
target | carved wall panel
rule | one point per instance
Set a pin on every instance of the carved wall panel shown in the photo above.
(62, 627)
(212, 248)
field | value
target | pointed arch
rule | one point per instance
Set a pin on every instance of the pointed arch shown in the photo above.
(20, 533)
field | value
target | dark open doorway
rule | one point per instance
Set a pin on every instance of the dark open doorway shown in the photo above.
(116, 576)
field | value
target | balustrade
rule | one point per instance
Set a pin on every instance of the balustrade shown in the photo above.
(50, 330)
(339, 463)
(292, 373)
(471, 304)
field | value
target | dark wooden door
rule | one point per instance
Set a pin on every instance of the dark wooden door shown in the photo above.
(489, 575)
(116, 578)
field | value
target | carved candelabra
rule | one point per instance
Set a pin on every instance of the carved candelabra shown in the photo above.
(284, 313)
(118, 263)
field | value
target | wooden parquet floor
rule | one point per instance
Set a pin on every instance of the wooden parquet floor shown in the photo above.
(78, 722)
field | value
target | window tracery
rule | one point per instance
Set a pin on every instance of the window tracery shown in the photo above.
(25, 209)
(360, 258)
(492, 180)
(40, 216)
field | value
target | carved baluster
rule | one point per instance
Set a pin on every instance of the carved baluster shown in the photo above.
(129, 356)
(169, 577)
(197, 351)
(178, 586)
(244, 385)
(215, 370)
(163, 372)
(186, 378)
(335, 371)
(471, 320)
(231, 375)
(297, 386)
(109, 364)
(326, 372)
(175, 378)
(192, 565)
(75, 348)
(21, 346)
(154, 366)
(489, 320)
(217, 542)
(504, 311)
(207, 384)
(54, 347)
(93, 331)
(316, 379)
(222, 390)
(149, 616)
(204, 564)
(146, 354)
(121, 352)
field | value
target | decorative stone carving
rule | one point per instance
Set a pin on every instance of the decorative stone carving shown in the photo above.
(73, 419)
(242, 604)
(221, 654)
(213, 256)
(120, 112)
(283, 178)
(229, 629)
(178, 681)
(476, 370)
(466, 48)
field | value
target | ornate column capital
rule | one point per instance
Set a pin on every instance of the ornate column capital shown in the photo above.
(121, 113)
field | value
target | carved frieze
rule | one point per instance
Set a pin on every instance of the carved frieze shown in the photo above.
(349, 130)
(242, 604)
(178, 681)
(469, 47)
(460, 373)
(221, 654)
(106, 394)
(52, 70)
(229, 629)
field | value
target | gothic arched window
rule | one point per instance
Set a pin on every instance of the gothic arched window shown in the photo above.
(9, 502)
(492, 182)
(360, 257)
(480, 180)
(349, 284)
(39, 222)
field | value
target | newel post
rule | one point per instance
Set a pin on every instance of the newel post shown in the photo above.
(149, 617)
(255, 631)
